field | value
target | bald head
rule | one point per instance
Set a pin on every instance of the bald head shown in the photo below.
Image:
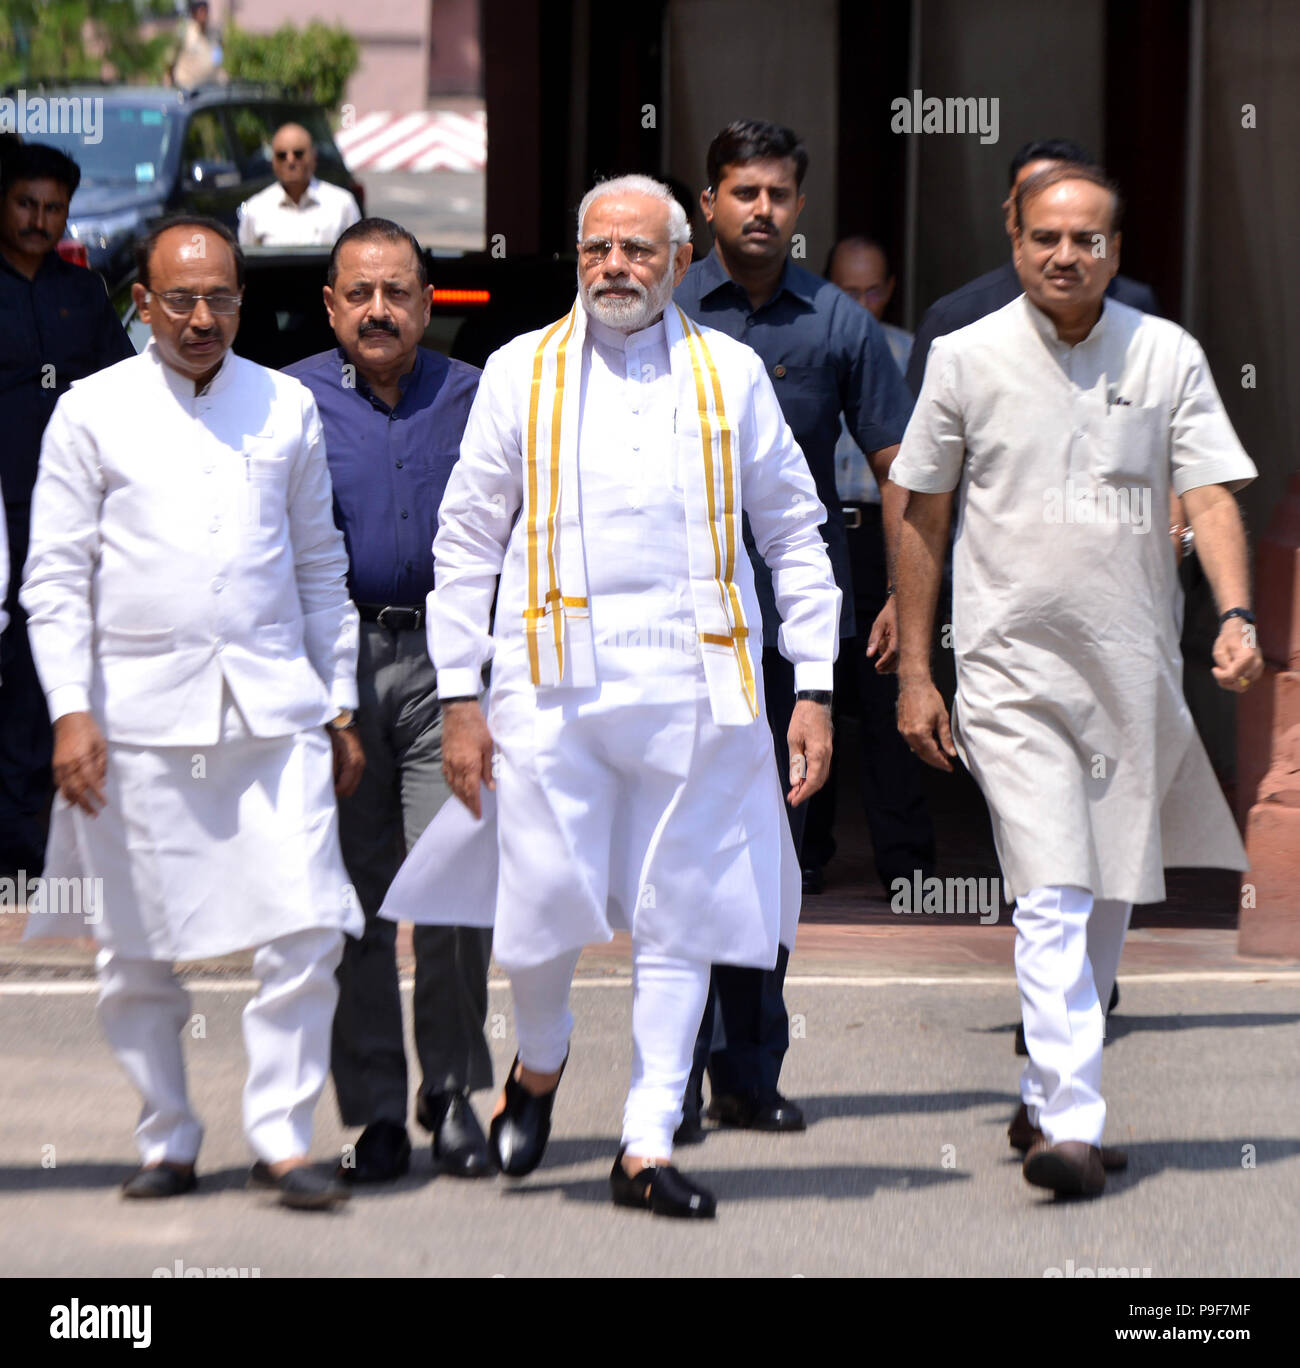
(861, 269)
(293, 158)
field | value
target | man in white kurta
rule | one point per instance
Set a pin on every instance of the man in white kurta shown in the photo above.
(1062, 421)
(189, 618)
(606, 465)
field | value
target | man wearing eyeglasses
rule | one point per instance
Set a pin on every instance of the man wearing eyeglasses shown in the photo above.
(299, 210)
(189, 616)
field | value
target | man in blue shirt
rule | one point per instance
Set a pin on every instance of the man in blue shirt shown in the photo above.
(825, 356)
(394, 415)
(58, 326)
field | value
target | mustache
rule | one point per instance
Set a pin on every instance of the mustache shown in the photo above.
(759, 226)
(379, 325)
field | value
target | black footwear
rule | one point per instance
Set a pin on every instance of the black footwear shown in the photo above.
(303, 1188)
(661, 1189)
(813, 880)
(518, 1135)
(1114, 998)
(458, 1141)
(382, 1155)
(1024, 1135)
(160, 1180)
(762, 1112)
(1070, 1168)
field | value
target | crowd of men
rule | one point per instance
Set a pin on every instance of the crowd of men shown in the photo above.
(530, 655)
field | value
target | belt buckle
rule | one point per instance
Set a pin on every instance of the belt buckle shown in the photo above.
(852, 518)
(413, 613)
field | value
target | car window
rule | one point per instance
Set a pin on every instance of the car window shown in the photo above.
(131, 148)
(205, 139)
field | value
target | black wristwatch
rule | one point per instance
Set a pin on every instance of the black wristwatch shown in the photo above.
(1243, 613)
(822, 696)
(460, 698)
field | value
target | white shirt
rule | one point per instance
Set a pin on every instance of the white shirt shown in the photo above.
(270, 218)
(179, 540)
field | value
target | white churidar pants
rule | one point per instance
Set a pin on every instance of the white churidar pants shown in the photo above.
(1067, 955)
(668, 996)
(143, 1008)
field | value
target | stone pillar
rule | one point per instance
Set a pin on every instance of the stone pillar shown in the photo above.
(1268, 747)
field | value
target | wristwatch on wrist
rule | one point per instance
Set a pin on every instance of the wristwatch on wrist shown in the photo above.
(1243, 613)
(460, 698)
(822, 696)
(345, 721)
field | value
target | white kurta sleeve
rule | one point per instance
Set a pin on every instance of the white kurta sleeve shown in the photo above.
(934, 445)
(330, 622)
(1204, 448)
(61, 560)
(478, 510)
(785, 516)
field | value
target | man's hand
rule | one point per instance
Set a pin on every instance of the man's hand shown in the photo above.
(883, 641)
(921, 718)
(349, 760)
(466, 752)
(80, 761)
(809, 739)
(1238, 662)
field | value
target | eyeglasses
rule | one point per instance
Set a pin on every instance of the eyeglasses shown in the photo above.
(636, 250)
(181, 303)
(296, 152)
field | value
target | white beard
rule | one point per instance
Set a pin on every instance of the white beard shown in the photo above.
(628, 315)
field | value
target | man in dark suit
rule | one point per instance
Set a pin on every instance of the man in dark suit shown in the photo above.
(987, 293)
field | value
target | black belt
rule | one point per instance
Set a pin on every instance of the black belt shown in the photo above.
(852, 513)
(389, 615)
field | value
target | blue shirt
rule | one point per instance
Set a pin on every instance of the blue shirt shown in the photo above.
(389, 467)
(825, 355)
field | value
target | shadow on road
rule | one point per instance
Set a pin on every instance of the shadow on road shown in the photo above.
(1121, 1024)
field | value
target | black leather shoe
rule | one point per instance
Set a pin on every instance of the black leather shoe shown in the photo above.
(762, 1112)
(459, 1144)
(690, 1132)
(518, 1135)
(1024, 1135)
(814, 881)
(661, 1189)
(160, 1180)
(382, 1155)
(303, 1188)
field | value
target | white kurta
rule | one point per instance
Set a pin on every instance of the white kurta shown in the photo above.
(624, 804)
(271, 218)
(187, 586)
(1069, 710)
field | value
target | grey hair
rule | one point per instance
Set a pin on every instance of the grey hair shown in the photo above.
(679, 227)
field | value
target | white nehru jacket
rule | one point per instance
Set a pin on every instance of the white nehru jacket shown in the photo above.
(270, 218)
(182, 539)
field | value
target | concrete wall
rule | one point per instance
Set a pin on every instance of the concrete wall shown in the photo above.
(760, 59)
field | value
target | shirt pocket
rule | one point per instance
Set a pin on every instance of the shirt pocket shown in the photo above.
(1133, 448)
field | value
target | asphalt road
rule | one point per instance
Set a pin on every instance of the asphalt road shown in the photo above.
(442, 208)
(904, 1170)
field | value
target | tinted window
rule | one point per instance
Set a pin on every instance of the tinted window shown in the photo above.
(253, 132)
(205, 139)
(131, 148)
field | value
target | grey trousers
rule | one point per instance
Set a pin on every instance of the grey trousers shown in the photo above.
(400, 726)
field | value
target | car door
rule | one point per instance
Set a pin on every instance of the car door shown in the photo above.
(210, 180)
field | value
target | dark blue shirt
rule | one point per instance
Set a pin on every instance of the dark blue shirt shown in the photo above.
(389, 467)
(62, 319)
(987, 294)
(825, 355)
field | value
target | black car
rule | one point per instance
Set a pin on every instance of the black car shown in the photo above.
(161, 150)
(480, 302)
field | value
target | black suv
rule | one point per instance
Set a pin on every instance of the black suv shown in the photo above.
(160, 151)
